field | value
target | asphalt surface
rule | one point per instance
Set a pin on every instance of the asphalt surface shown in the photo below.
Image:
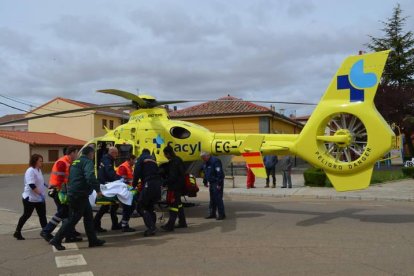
(264, 234)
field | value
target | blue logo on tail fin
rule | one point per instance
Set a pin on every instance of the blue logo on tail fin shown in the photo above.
(361, 79)
(357, 81)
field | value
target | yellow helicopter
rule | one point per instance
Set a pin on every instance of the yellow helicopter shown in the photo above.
(345, 135)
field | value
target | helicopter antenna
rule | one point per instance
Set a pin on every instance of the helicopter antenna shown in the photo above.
(234, 130)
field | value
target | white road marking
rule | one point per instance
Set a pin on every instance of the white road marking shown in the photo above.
(71, 260)
(86, 273)
(69, 247)
(56, 229)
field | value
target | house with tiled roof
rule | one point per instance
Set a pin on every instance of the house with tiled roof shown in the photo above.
(80, 125)
(230, 114)
(19, 126)
(18, 146)
(302, 119)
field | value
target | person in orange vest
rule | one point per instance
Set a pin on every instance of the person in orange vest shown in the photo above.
(57, 182)
(125, 170)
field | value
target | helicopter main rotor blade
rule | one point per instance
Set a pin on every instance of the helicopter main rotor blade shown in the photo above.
(143, 103)
(69, 111)
(157, 103)
(125, 95)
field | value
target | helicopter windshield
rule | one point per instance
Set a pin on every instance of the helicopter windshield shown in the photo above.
(179, 132)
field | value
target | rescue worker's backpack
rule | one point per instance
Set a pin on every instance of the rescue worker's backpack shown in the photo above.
(191, 188)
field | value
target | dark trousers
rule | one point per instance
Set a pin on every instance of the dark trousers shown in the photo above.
(104, 209)
(127, 211)
(62, 213)
(146, 200)
(287, 180)
(216, 200)
(176, 209)
(78, 207)
(28, 208)
(270, 172)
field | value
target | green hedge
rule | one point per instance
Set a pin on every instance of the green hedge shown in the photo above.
(408, 171)
(316, 177)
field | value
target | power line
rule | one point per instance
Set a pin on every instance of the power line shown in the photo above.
(14, 100)
(31, 106)
(13, 107)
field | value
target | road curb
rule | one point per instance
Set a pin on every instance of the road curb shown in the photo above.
(316, 196)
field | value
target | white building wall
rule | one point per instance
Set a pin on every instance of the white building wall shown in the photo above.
(44, 151)
(13, 152)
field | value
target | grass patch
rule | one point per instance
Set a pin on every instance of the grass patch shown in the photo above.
(385, 176)
(317, 178)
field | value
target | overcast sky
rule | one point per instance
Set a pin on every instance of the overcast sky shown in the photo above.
(267, 50)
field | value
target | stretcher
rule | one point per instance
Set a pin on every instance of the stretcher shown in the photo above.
(114, 192)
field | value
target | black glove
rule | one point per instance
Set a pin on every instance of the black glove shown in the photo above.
(52, 192)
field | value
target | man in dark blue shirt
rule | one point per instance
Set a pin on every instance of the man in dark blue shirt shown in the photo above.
(270, 162)
(106, 173)
(214, 179)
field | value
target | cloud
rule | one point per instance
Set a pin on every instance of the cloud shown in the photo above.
(175, 25)
(14, 42)
(275, 50)
(100, 32)
(299, 8)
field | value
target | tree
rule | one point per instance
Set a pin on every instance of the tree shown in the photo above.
(399, 69)
(395, 95)
(395, 102)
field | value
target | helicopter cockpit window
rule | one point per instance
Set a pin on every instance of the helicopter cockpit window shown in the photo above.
(179, 132)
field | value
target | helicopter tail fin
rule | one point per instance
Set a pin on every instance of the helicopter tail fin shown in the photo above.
(346, 135)
(250, 149)
(359, 181)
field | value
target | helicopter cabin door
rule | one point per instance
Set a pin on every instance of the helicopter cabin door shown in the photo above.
(124, 152)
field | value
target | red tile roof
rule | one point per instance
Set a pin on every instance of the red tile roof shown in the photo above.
(223, 106)
(40, 138)
(302, 118)
(11, 117)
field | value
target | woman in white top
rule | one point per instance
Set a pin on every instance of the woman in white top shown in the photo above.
(33, 195)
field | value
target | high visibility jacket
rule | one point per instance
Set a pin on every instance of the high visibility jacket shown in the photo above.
(60, 172)
(125, 170)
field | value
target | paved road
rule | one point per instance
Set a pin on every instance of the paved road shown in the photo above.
(262, 236)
